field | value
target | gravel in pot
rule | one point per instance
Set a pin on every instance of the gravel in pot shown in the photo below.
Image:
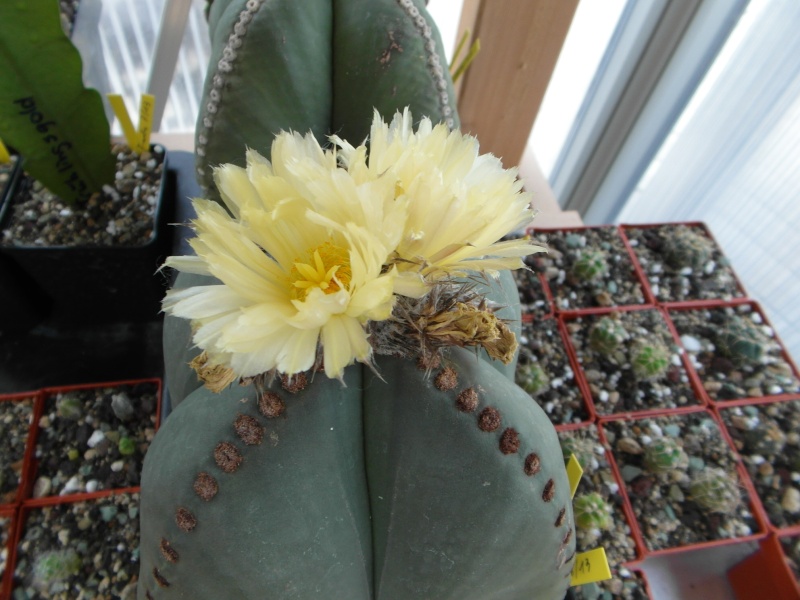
(544, 371)
(735, 352)
(94, 439)
(588, 268)
(767, 437)
(630, 362)
(87, 549)
(681, 479)
(682, 263)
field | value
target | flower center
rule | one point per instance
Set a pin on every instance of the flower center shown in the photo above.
(327, 268)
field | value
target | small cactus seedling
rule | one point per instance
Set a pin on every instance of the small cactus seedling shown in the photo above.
(591, 512)
(69, 407)
(741, 341)
(532, 378)
(590, 265)
(649, 359)
(55, 566)
(582, 448)
(687, 248)
(715, 490)
(607, 335)
(663, 455)
(126, 446)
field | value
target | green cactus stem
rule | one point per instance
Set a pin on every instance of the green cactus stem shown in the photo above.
(70, 407)
(716, 490)
(663, 455)
(687, 248)
(55, 566)
(532, 378)
(581, 447)
(591, 512)
(126, 446)
(607, 335)
(274, 68)
(741, 341)
(650, 359)
(590, 265)
(229, 472)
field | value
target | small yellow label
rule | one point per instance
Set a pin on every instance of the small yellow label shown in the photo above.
(574, 473)
(146, 107)
(589, 567)
(118, 105)
(5, 157)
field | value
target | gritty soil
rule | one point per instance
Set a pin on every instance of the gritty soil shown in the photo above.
(544, 372)
(100, 539)
(714, 279)
(532, 296)
(15, 420)
(122, 215)
(614, 384)
(615, 284)
(663, 504)
(731, 376)
(94, 439)
(767, 437)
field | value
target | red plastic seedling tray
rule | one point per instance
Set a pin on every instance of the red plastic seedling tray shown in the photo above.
(35, 398)
(755, 509)
(580, 374)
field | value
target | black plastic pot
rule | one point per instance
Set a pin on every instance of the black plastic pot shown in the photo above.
(96, 284)
(22, 301)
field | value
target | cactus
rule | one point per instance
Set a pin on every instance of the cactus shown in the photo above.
(649, 359)
(715, 490)
(606, 335)
(409, 481)
(581, 447)
(663, 455)
(741, 340)
(532, 378)
(274, 69)
(69, 406)
(687, 248)
(591, 512)
(589, 266)
(54, 567)
(126, 446)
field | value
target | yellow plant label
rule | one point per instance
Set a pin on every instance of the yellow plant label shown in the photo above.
(589, 567)
(4, 155)
(118, 105)
(574, 473)
(146, 107)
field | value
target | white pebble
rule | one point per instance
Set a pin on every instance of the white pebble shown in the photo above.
(675, 360)
(548, 407)
(775, 389)
(603, 396)
(613, 488)
(64, 212)
(656, 429)
(117, 466)
(646, 440)
(686, 271)
(557, 383)
(655, 289)
(709, 268)
(757, 459)
(92, 485)
(795, 476)
(63, 536)
(691, 343)
(72, 486)
(756, 317)
(96, 437)
(655, 268)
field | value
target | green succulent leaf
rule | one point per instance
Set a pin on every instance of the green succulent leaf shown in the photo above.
(46, 113)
